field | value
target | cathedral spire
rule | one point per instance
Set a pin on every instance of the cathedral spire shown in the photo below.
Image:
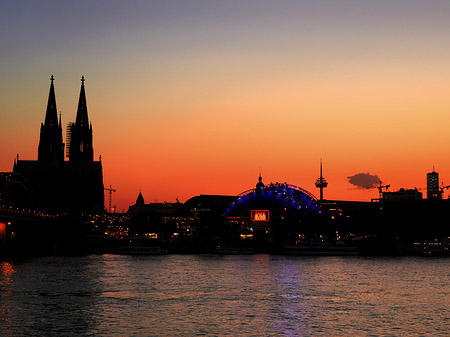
(80, 132)
(82, 115)
(51, 116)
(51, 146)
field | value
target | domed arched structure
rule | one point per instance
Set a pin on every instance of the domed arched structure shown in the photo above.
(275, 197)
(276, 212)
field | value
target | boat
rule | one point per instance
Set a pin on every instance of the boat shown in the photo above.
(234, 250)
(432, 247)
(320, 248)
(136, 249)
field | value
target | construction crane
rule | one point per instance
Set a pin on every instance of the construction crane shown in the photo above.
(110, 190)
(380, 189)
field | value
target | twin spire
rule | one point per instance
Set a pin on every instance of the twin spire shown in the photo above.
(51, 146)
(51, 116)
(82, 115)
(79, 134)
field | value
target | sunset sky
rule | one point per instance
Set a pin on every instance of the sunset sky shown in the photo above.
(198, 97)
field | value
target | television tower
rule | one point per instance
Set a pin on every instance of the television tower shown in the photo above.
(321, 182)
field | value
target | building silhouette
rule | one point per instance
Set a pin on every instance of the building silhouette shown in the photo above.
(56, 185)
(51, 146)
(433, 191)
(277, 212)
(403, 194)
(79, 134)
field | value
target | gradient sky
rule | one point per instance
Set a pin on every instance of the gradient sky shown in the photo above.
(197, 97)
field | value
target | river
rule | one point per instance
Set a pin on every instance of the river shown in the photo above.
(236, 295)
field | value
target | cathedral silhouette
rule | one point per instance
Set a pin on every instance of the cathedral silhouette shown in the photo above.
(53, 184)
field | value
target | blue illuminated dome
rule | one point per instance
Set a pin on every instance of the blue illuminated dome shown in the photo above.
(276, 198)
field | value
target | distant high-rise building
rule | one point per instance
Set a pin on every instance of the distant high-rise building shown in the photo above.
(79, 134)
(51, 146)
(433, 191)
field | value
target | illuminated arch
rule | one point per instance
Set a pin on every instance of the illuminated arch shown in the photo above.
(278, 197)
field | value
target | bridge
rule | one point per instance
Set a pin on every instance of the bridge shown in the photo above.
(10, 214)
(32, 232)
(15, 189)
(24, 230)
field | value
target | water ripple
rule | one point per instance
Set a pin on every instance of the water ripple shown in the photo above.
(207, 295)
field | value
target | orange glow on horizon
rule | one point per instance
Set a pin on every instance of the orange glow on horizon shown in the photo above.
(185, 102)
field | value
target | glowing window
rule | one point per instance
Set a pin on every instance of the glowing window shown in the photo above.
(260, 215)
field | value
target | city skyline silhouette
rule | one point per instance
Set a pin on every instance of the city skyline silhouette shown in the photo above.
(198, 98)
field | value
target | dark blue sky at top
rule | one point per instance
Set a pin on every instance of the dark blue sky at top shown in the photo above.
(51, 25)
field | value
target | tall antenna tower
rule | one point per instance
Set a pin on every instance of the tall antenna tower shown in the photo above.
(321, 182)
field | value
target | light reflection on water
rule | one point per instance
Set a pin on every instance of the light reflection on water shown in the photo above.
(209, 295)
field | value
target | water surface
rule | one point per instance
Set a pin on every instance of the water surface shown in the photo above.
(210, 295)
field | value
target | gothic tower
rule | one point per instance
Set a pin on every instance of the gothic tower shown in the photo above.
(51, 146)
(79, 134)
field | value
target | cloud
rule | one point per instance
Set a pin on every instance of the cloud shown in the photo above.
(364, 180)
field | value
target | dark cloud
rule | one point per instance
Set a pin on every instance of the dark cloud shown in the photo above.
(364, 180)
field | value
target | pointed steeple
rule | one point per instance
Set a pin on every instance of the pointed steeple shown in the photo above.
(51, 146)
(82, 115)
(140, 199)
(51, 116)
(80, 136)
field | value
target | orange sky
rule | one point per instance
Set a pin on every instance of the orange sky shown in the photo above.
(200, 98)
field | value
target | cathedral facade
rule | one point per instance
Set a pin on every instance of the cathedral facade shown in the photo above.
(54, 184)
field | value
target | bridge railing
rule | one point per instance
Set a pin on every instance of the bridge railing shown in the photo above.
(25, 212)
